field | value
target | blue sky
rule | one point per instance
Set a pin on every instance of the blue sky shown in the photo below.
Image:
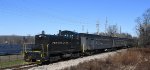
(30, 17)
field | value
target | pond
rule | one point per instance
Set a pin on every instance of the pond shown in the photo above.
(8, 49)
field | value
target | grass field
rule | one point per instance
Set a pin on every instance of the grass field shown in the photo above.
(11, 60)
(132, 59)
(12, 63)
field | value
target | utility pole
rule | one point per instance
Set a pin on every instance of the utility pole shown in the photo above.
(120, 29)
(87, 31)
(97, 26)
(106, 25)
(82, 28)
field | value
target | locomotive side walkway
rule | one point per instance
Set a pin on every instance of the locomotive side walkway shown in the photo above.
(74, 62)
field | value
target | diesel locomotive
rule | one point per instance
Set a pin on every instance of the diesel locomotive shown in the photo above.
(68, 44)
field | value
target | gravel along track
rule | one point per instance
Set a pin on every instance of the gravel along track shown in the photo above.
(73, 62)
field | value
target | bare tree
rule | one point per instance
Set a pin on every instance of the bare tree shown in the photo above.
(143, 28)
(112, 30)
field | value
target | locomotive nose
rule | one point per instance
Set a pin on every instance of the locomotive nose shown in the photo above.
(33, 56)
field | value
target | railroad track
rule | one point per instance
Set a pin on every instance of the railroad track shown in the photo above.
(21, 67)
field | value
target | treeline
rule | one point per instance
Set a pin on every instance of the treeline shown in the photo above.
(14, 39)
(113, 30)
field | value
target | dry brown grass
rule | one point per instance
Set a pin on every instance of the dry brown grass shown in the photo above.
(132, 59)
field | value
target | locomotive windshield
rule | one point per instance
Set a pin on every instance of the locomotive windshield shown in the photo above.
(40, 41)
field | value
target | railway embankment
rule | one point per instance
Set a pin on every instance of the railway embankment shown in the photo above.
(125, 59)
(132, 59)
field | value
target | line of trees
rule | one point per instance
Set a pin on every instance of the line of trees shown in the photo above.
(13, 39)
(112, 30)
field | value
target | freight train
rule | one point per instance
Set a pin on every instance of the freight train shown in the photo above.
(70, 44)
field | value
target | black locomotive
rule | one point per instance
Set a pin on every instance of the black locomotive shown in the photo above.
(68, 44)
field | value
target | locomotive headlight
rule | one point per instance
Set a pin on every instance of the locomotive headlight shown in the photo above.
(40, 36)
